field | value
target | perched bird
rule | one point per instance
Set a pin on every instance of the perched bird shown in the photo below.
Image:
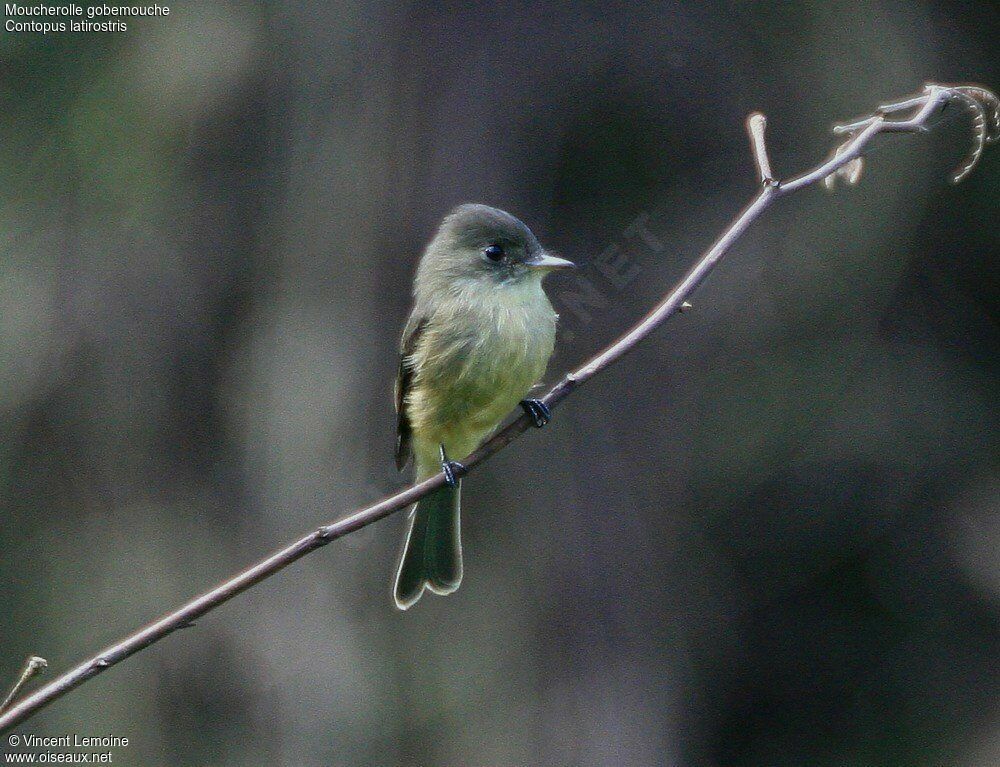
(478, 339)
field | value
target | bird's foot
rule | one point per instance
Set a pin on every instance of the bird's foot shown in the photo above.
(537, 410)
(452, 469)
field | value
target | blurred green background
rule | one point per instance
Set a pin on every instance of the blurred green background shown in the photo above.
(769, 537)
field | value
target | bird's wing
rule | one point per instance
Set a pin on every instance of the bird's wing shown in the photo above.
(404, 378)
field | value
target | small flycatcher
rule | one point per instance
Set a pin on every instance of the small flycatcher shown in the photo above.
(478, 339)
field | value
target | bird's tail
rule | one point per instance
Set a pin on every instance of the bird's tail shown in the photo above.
(432, 549)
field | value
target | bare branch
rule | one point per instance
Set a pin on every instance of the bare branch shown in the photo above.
(756, 123)
(860, 132)
(33, 666)
(841, 157)
(983, 104)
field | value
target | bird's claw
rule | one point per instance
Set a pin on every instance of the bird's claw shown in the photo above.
(452, 469)
(537, 411)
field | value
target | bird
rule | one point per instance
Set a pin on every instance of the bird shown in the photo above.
(477, 340)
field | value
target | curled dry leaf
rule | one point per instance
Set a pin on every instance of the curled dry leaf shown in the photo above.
(849, 173)
(985, 109)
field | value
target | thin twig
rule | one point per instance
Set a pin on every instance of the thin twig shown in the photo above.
(756, 123)
(33, 666)
(861, 132)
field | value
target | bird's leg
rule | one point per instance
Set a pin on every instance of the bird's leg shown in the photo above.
(451, 469)
(537, 410)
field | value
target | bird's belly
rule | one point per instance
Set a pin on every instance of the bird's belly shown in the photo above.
(470, 406)
(460, 402)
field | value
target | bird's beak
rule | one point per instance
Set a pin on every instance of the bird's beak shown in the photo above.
(547, 263)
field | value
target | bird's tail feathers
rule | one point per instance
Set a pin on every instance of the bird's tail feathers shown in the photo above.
(432, 550)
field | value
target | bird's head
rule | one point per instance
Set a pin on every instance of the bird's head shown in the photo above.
(483, 246)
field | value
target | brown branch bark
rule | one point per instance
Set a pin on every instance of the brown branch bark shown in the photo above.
(920, 108)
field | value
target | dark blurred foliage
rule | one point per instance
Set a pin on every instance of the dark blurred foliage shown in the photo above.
(769, 537)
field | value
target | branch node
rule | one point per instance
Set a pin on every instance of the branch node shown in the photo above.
(323, 534)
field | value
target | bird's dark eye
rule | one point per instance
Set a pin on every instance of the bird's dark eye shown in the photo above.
(494, 252)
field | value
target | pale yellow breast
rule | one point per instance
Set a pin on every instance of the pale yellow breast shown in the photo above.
(474, 363)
